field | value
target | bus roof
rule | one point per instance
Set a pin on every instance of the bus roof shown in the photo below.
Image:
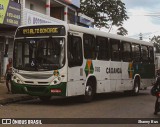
(97, 32)
(105, 34)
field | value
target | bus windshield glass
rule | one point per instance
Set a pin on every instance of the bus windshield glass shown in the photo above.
(39, 54)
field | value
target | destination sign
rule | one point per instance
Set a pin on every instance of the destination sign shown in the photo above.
(45, 30)
(40, 31)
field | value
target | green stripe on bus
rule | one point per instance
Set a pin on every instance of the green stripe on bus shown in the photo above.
(38, 90)
(145, 70)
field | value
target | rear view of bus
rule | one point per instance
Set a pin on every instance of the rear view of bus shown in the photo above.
(39, 56)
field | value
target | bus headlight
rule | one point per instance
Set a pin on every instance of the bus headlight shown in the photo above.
(59, 78)
(17, 80)
(56, 80)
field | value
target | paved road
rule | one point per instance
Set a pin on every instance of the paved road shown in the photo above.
(117, 105)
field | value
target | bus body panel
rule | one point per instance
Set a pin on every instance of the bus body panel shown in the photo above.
(71, 81)
(76, 75)
(39, 90)
(127, 75)
(40, 83)
(146, 72)
(115, 76)
(102, 76)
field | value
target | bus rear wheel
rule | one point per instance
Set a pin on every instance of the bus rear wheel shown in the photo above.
(45, 98)
(89, 92)
(136, 87)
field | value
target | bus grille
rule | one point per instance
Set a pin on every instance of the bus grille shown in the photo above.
(39, 83)
(36, 88)
(36, 76)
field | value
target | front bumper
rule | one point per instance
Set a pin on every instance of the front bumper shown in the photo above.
(39, 90)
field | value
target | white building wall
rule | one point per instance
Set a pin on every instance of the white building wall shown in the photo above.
(39, 13)
(22, 2)
(32, 18)
(38, 5)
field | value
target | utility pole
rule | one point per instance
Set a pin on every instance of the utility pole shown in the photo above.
(140, 36)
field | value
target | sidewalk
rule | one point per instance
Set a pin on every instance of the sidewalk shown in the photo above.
(6, 98)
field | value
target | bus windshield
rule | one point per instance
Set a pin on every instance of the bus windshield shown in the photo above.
(39, 54)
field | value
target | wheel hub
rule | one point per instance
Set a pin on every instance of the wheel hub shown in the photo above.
(136, 89)
(88, 90)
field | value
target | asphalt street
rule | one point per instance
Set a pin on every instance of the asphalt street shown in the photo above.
(112, 105)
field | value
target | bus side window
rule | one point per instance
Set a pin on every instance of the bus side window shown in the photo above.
(126, 52)
(89, 46)
(75, 57)
(115, 50)
(136, 53)
(144, 53)
(151, 55)
(103, 52)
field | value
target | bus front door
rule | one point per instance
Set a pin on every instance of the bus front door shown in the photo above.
(76, 76)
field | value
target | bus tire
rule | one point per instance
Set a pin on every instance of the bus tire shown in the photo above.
(136, 87)
(45, 98)
(89, 92)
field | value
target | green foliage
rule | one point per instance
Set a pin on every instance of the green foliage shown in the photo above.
(105, 12)
(122, 31)
(156, 42)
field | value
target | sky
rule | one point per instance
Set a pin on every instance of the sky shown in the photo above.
(144, 17)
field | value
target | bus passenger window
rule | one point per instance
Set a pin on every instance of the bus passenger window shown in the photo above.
(144, 53)
(103, 53)
(89, 46)
(126, 52)
(136, 54)
(75, 57)
(151, 54)
(115, 50)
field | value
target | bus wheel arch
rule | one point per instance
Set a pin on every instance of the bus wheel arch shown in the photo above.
(136, 86)
(90, 88)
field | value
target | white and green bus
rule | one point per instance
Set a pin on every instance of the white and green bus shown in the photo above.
(68, 60)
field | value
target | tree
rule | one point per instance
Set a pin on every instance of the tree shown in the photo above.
(106, 13)
(156, 42)
(122, 31)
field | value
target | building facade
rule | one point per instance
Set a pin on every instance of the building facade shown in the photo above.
(14, 13)
(10, 19)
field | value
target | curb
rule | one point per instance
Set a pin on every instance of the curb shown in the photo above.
(15, 99)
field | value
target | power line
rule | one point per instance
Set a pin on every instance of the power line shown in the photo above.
(144, 34)
(147, 12)
(144, 13)
(157, 16)
(147, 15)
